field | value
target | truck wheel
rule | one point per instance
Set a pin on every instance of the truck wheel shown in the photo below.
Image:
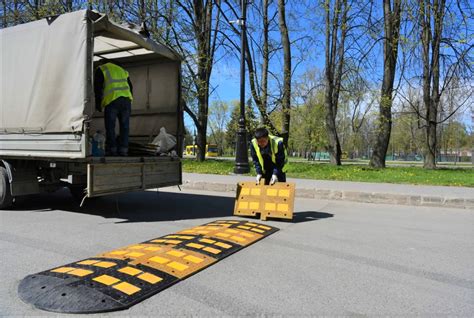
(6, 198)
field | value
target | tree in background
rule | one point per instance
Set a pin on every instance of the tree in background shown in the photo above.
(392, 19)
(336, 31)
(251, 123)
(218, 121)
(445, 50)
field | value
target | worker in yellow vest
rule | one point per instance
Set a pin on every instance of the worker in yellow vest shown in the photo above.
(269, 157)
(113, 95)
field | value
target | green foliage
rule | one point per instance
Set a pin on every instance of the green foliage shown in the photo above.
(251, 123)
(402, 175)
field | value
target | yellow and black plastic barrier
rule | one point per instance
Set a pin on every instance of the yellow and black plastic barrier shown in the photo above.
(120, 278)
(275, 201)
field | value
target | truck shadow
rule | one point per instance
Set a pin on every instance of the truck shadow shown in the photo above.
(146, 206)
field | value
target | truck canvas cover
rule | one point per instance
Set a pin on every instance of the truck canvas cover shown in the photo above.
(46, 86)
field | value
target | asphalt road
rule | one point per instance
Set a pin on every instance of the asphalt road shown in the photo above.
(336, 258)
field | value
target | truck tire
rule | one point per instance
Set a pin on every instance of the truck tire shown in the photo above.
(6, 198)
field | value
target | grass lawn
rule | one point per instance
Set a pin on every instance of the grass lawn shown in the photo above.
(410, 175)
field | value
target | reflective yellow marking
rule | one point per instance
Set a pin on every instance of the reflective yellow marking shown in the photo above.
(176, 253)
(135, 254)
(118, 252)
(270, 206)
(127, 288)
(174, 241)
(224, 245)
(264, 227)
(106, 280)
(88, 262)
(246, 234)
(105, 264)
(151, 248)
(178, 266)
(203, 232)
(186, 237)
(211, 250)
(159, 241)
(245, 191)
(130, 271)
(152, 279)
(188, 231)
(251, 224)
(272, 192)
(233, 222)
(284, 193)
(63, 269)
(243, 205)
(255, 192)
(208, 241)
(243, 227)
(136, 247)
(282, 207)
(194, 259)
(171, 236)
(238, 239)
(223, 234)
(258, 230)
(195, 245)
(232, 231)
(254, 205)
(80, 272)
(160, 260)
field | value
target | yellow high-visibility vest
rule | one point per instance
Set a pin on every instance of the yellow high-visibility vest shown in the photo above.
(115, 84)
(273, 140)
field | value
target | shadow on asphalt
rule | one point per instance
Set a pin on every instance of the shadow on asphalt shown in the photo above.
(146, 206)
(306, 216)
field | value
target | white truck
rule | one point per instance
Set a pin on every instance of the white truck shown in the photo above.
(47, 107)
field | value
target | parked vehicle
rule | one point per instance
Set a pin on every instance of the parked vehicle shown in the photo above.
(47, 112)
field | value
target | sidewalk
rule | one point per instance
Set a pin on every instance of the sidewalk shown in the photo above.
(404, 194)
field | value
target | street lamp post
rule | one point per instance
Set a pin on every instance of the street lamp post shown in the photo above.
(241, 156)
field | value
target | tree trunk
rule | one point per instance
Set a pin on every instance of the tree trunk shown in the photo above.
(431, 73)
(4, 18)
(391, 40)
(334, 53)
(286, 98)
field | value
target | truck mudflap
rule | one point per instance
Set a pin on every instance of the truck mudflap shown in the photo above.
(117, 177)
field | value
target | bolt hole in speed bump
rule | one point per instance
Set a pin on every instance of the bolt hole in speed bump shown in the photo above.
(120, 278)
(268, 201)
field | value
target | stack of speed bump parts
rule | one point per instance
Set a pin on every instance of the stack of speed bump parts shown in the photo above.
(270, 201)
(123, 277)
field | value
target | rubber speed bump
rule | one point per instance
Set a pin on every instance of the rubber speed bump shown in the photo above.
(120, 278)
(275, 201)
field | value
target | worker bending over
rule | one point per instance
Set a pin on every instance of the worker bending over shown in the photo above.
(269, 157)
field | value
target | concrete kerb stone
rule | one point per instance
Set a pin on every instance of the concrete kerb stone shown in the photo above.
(356, 196)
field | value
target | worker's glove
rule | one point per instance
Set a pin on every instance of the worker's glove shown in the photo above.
(273, 179)
(259, 176)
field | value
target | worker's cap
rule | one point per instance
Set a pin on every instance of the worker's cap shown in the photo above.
(261, 132)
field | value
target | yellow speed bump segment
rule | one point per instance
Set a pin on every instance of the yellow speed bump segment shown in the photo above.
(122, 277)
(274, 201)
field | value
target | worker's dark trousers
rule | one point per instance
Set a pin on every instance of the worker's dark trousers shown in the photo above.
(121, 109)
(268, 175)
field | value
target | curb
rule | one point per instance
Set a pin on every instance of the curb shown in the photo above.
(355, 196)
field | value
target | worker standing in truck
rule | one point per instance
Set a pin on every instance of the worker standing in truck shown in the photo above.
(113, 95)
(269, 157)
